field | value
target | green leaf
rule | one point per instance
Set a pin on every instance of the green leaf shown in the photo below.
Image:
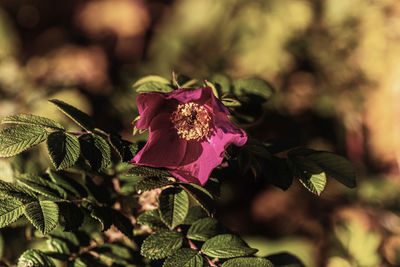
(125, 149)
(226, 246)
(253, 85)
(148, 171)
(204, 198)
(59, 246)
(150, 183)
(114, 253)
(336, 166)
(222, 83)
(101, 214)
(154, 87)
(63, 148)
(174, 206)
(96, 150)
(10, 211)
(248, 261)
(71, 214)
(285, 259)
(16, 191)
(79, 117)
(203, 229)
(43, 187)
(43, 215)
(161, 245)
(150, 78)
(231, 102)
(184, 257)
(36, 258)
(18, 138)
(29, 119)
(152, 219)
(310, 174)
(68, 184)
(195, 213)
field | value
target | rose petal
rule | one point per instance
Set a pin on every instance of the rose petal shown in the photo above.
(164, 148)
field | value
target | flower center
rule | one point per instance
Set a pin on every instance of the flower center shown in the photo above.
(191, 121)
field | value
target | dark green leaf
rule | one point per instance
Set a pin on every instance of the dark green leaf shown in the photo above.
(125, 149)
(63, 149)
(43, 187)
(310, 174)
(79, 117)
(96, 150)
(184, 257)
(35, 258)
(203, 229)
(43, 215)
(29, 119)
(285, 259)
(148, 171)
(16, 191)
(59, 246)
(174, 206)
(195, 213)
(161, 245)
(18, 138)
(335, 166)
(152, 219)
(150, 183)
(253, 85)
(72, 216)
(67, 183)
(222, 83)
(101, 214)
(201, 196)
(10, 211)
(114, 253)
(248, 261)
(226, 246)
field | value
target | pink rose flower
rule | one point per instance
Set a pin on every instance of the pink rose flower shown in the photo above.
(188, 132)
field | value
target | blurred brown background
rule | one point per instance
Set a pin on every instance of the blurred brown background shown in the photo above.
(335, 65)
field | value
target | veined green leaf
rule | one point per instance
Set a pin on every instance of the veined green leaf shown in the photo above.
(36, 258)
(152, 219)
(195, 213)
(204, 198)
(335, 166)
(174, 206)
(148, 171)
(30, 119)
(16, 191)
(78, 116)
(43, 215)
(67, 183)
(226, 246)
(43, 187)
(125, 149)
(184, 257)
(150, 183)
(18, 138)
(96, 150)
(161, 245)
(203, 229)
(63, 149)
(248, 261)
(102, 214)
(10, 211)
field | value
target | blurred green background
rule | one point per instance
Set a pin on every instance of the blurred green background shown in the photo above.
(335, 65)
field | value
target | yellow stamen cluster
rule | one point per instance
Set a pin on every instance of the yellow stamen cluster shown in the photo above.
(191, 121)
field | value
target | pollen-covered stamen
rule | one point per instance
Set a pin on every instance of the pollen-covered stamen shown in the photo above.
(191, 121)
